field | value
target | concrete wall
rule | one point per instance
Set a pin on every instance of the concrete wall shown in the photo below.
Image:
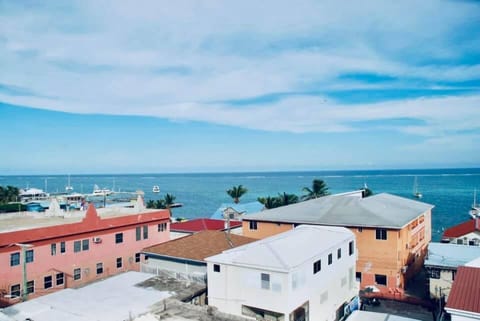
(235, 286)
(441, 286)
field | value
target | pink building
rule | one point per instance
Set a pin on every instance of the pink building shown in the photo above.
(40, 254)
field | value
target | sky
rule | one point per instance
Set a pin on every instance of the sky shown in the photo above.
(205, 86)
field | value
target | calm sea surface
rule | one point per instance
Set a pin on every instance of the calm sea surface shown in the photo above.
(450, 190)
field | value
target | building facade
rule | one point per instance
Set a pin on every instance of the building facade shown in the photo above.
(466, 233)
(464, 301)
(392, 232)
(287, 276)
(39, 254)
(442, 263)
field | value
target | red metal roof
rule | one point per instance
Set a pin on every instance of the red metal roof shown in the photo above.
(202, 224)
(90, 223)
(465, 293)
(462, 228)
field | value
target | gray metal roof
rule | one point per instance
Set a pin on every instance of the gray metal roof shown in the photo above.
(349, 209)
(450, 255)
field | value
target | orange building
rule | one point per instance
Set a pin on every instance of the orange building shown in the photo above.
(392, 232)
(40, 254)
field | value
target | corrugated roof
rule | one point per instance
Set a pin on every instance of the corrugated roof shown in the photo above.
(450, 255)
(465, 293)
(380, 210)
(462, 228)
(281, 252)
(198, 246)
(202, 224)
(244, 208)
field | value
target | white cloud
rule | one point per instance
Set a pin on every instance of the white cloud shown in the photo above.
(108, 57)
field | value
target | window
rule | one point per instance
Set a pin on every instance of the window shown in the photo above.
(62, 247)
(216, 268)
(15, 290)
(99, 268)
(59, 279)
(317, 266)
(162, 227)
(330, 258)
(350, 248)
(85, 245)
(47, 282)
(358, 276)
(434, 274)
(29, 256)
(119, 262)
(381, 279)
(77, 274)
(137, 257)
(77, 246)
(138, 233)
(53, 249)
(15, 259)
(459, 241)
(360, 229)
(30, 287)
(118, 238)
(145, 232)
(381, 234)
(253, 225)
(265, 278)
(324, 297)
(339, 253)
(454, 273)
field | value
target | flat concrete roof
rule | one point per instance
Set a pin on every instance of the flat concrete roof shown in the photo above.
(18, 221)
(348, 209)
(113, 299)
(376, 316)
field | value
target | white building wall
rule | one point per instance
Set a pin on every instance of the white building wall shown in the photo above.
(152, 264)
(235, 286)
(467, 238)
(442, 286)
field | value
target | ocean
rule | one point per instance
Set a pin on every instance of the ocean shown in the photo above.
(449, 190)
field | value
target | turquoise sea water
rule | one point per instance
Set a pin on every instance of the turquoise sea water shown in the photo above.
(450, 190)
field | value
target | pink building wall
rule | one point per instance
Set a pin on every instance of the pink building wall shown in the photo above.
(106, 252)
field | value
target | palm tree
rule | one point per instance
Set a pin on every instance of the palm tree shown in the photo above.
(236, 192)
(151, 204)
(286, 199)
(269, 202)
(168, 201)
(319, 188)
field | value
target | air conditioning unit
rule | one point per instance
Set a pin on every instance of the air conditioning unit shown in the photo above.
(97, 240)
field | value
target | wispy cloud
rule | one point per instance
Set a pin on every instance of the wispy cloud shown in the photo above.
(289, 65)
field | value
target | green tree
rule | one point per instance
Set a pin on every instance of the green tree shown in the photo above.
(286, 199)
(269, 202)
(9, 194)
(319, 188)
(168, 201)
(151, 204)
(236, 192)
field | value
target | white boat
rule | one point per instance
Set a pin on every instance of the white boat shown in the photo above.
(101, 191)
(156, 189)
(416, 193)
(69, 187)
(475, 210)
(32, 194)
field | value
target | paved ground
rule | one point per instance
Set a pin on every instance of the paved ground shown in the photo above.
(402, 309)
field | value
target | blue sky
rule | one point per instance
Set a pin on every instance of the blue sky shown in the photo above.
(156, 86)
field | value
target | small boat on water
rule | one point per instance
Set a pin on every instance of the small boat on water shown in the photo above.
(156, 189)
(475, 210)
(416, 193)
(101, 191)
(69, 187)
(32, 194)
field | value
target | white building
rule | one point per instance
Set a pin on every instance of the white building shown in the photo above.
(304, 274)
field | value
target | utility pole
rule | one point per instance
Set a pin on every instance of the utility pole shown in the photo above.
(24, 268)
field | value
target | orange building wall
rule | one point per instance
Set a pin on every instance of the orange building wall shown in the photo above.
(402, 248)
